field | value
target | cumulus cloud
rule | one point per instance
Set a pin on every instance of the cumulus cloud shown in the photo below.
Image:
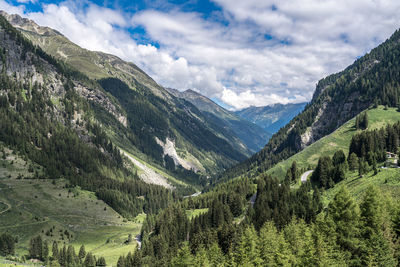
(273, 51)
(262, 52)
(248, 98)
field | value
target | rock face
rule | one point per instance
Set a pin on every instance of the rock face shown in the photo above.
(28, 24)
(24, 66)
(169, 149)
(100, 98)
(147, 174)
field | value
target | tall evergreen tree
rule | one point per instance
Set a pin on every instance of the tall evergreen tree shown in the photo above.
(343, 221)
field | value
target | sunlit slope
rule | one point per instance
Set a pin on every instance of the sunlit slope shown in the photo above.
(339, 139)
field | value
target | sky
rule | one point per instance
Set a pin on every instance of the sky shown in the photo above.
(238, 53)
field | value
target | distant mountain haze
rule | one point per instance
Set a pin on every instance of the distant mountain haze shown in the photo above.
(272, 117)
(252, 135)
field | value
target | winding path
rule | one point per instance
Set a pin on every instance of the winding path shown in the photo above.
(305, 175)
(8, 207)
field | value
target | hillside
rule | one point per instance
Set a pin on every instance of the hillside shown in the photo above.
(271, 118)
(208, 146)
(302, 222)
(59, 171)
(339, 139)
(46, 207)
(337, 98)
(248, 133)
(101, 166)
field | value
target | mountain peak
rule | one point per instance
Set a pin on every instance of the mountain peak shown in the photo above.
(28, 25)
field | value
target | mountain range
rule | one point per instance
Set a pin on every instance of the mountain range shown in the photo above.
(136, 107)
(273, 117)
(94, 152)
(252, 135)
(337, 98)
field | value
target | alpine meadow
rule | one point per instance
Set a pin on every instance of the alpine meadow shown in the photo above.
(199, 133)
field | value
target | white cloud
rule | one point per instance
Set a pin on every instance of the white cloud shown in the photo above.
(233, 61)
(248, 98)
(310, 40)
(26, 1)
(11, 9)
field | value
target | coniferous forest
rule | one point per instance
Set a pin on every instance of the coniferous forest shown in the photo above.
(100, 146)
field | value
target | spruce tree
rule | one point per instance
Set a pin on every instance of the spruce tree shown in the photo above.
(274, 250)
(353, 161)
(184, 257)
(54, 250)
(82, 253)
(342, 219)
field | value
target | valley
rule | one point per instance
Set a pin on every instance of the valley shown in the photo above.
(102, 166)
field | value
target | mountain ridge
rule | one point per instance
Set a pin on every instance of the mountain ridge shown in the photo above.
(251, 135)
(141, 88)
(337, 98)
(271, 117)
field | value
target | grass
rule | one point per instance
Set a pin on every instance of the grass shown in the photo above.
(339, 139)
(13, 166)
(39, 207)
(387, 180)
(195, 212)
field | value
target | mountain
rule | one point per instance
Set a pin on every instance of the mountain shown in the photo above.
(271, 118)
(142, 118)
(371, 80)
(73, 148)
(337, 164)
(251, 135)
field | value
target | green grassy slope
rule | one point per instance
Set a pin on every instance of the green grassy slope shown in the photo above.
(40, 207)
(339, 139)
(29, 207)
(387, 180)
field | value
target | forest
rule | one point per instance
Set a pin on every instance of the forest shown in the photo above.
(371, 80)
(284, 226)
(244, 217)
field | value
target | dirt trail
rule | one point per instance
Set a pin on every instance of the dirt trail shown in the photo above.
(8, 207)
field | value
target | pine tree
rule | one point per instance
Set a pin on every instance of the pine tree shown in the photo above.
(184, 257)
(82, 253)
(101, 262)
(54, 251)
(300, 241)
(378, 250)
(215, 255)
(342, 219)
(7, 244)
(89, 260)
(274, 250)
(247, 252)
(201, 258)
(353, 161)
(121, 261)
(71, 256)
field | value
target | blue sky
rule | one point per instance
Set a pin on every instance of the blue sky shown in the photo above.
(239, 53)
